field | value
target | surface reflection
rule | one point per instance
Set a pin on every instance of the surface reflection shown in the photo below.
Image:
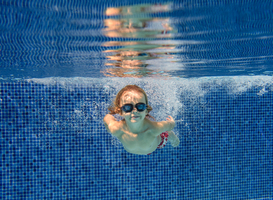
(143, 37)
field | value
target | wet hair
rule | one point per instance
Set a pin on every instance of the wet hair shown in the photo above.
(115, 107)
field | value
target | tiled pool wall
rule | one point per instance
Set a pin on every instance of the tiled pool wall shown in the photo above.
(54, 145)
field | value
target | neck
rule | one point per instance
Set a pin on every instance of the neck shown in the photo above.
(136, 127)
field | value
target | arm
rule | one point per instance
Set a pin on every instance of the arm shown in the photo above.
(112, 125)
(164, 125)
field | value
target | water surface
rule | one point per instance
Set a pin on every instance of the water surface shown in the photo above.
(170, 39)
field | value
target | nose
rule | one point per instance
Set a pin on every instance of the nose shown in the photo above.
(134, 110)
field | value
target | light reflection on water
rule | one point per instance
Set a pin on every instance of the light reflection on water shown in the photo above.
(145, 40)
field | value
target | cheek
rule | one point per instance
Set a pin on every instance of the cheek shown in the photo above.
(125, 114)
(144, 113)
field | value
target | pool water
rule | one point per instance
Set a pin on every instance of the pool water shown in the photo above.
(206, 63)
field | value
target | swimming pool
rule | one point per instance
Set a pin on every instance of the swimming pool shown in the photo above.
(206, 63)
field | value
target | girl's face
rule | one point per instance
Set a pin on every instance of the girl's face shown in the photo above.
(133, 97)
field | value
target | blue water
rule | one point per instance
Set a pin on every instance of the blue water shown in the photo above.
(206, 63)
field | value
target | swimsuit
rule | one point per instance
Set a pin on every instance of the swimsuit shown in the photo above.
(164, 139)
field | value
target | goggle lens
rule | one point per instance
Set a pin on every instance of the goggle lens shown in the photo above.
(129, 107)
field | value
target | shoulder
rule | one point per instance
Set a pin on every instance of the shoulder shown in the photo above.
(160, 127)
(116, 128)
(154, 127)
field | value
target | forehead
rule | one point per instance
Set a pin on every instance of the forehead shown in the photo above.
(133, 96)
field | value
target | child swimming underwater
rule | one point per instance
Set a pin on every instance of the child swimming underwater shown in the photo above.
(137, 133)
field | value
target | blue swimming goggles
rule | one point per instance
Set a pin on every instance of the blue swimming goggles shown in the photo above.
(129, 107)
